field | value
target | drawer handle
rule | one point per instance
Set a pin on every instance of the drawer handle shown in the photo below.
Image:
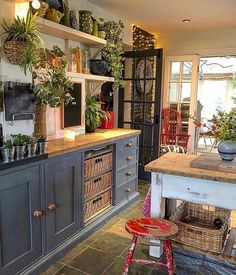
(51, 207)
(129, 158)
(38, 214)
(128, 190)
(129, 144)
(128, 174)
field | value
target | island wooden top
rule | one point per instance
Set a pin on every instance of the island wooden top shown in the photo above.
(179, 164)
(59, 146)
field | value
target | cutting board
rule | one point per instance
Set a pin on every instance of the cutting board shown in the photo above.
(212, 161)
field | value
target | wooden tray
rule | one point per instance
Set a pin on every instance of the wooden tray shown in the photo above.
(213, 161)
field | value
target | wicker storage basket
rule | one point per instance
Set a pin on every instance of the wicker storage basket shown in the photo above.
(93, 206)
(97, 185)
(97, 165)
(200, 231)
(14, 50)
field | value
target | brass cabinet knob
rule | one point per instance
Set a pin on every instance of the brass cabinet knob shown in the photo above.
(129, 144)
(128, 190)
(129, 158)
(51, 207)
(128, 174)
(38, 214)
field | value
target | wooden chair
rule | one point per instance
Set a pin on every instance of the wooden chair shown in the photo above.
(171, 128)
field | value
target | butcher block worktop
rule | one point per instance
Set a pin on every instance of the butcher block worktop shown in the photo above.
(179, 164)
(101, 136)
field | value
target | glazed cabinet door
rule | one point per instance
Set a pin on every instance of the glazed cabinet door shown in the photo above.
(21, 218)
(63, 195)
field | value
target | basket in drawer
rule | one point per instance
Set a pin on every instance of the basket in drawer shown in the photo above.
(196, 226)
(95, 205)
(97, 185)
(97, 165)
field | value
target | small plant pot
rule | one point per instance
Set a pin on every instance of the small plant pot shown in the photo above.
(32, 149)
(42, 147)
(20, 151)
(227, 150)
(8, 154)
(90, 128)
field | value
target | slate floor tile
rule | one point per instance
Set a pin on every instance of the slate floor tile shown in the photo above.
(93, 237)
(53, 268)
(92, 261)
(67, 270)
(111, 243)
(73, 253)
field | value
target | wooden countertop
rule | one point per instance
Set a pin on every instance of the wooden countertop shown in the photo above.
(179, 164)
(59, 146)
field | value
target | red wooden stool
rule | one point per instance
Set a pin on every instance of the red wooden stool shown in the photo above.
(151, 228)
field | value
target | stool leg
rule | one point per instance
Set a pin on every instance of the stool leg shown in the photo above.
(129, 255)
(169, 257)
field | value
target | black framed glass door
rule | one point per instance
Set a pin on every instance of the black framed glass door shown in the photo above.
(140, 102)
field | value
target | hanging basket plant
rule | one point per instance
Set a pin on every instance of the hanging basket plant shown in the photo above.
(22, 41)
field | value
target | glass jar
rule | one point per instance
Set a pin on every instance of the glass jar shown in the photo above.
(86, 63)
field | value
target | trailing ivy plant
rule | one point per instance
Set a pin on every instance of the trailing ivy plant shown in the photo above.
(113, 50)
(53, 86)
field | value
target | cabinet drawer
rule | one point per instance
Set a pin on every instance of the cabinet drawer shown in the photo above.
(126, 159)
(126, 174)
(127, 145)
(125, 190)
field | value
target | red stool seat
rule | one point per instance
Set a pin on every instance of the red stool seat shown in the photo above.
(151, 228)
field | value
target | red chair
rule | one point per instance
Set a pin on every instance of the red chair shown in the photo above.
(171, 128)
(151, 228)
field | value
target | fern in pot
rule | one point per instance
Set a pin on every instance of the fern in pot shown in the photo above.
(93, 114)
(22, 41)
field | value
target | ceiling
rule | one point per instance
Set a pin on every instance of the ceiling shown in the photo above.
(159, 16)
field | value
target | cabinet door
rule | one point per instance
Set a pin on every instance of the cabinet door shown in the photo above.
(62, 180)
(20, 231)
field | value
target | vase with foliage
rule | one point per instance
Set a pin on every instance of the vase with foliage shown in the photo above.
(19, 141)
(226, 133)
(52, 88)
(93, 113)
(8, 150)
(22, 41)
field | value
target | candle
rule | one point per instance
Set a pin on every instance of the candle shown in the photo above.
(69, 135)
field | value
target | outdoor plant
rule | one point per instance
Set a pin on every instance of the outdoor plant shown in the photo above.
(93, 113)
(24, 31)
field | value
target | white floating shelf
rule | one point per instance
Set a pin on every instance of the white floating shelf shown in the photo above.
(55, 29)
(91, 77)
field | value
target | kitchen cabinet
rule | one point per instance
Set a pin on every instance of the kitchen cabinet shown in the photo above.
(21, 218)
(63, 198)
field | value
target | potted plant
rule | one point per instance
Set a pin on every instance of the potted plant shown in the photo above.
(52, 88)
(19, 141)
(226, 133)
(8, 150)
(42, 144)
(31, 145)
(93, 113)
(23, 41)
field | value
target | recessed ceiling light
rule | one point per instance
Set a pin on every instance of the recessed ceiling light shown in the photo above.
(186, 20)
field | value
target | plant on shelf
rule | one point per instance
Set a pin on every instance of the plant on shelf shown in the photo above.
(52, 88)
(226, 133)
(23, 41)
(8, 150)
(113, 50)
(93, 113)
(19, 142)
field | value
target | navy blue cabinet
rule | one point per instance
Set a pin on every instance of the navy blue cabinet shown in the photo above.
(21, 218)
(63, 198)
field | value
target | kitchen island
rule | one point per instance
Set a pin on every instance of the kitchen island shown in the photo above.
(49, 204)
(174, 178)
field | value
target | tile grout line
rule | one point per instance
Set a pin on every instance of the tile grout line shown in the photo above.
(77, 269)
(61, 261)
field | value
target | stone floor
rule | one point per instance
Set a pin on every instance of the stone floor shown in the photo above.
(104, 252)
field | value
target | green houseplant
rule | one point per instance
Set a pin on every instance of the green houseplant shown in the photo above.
(8, 150)
(93, 113)
(52, 88)
(19, 141)
(22, 41)
(226, 132)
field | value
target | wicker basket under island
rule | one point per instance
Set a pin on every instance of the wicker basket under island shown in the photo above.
(202, 226)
